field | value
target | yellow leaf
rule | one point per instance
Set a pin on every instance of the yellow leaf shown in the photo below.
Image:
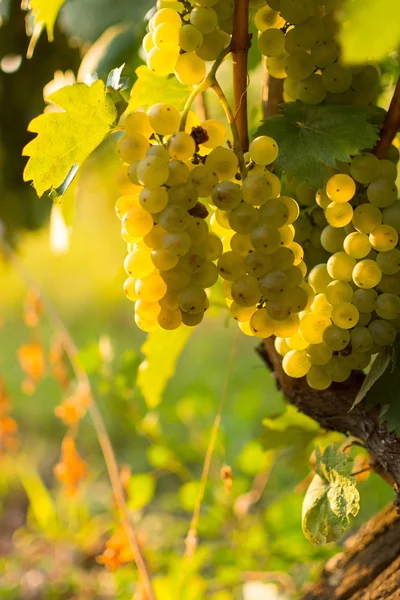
(67, 138)
(45, 13)
(162, 350)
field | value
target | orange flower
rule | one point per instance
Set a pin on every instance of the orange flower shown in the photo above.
(32, 361)
(33, 310)
(71, 469)
(117, 551)
(73, 409)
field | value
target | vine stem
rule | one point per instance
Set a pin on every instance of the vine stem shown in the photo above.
(272, 92)
(240, 44)
(391, 124)
(72, 352)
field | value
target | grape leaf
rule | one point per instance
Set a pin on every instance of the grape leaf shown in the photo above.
(330, 499)
(292, 428)
(311, 138)
(147, 88)
(162, 350)
(378, 368)
(141, 489)
(45, 14)
(365, 33)
(67, 138)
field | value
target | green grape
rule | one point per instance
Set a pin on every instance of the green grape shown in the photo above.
(244, 218)
(177, 278)
(226, 25)
(297, 342)
(361, 339)
(246, 290)
(336, 338)
(206, 2)
(290, 89)
(387, 170)
(338, 292)
(138, 122)
(204, 180)
(303, 228)
(319, 278)
(226, 195)
(391, 215)
(340, 266)
(279, 310)
(138, 263)
(312, 327)
(390, 283)
(281, 346)
(153, 200)
(271, 42)
(263, 150)
(241, 313)
(178, 244)
(367, 274)
(129, 289)
(190, 38)
(164, 118)
(299, 65)
(194, 259)
(364, 168)
(267, 18)
(318, 378)
(383, 238)
(166, 36)
(295, 11)
(174, 219)
(298, 299)
(294, 276)
(213, 247)
(241, 244)
(283, 258)
(291, 45)
(358, 360)
(276, 65)
(345, 315)
(305, 194)
(365, 300)
(170, 319)
(296, 364)
(338, 369)
(340, 188)
(165, 15)
(293, 208)
(137, 222)
(223, 162)
(192, 298)
(151, 288)
(309, 33)
(366, 217)
(216, 133)
(213, 44)
(205, 275)
(383, 332)
(357, 245)
(339, 214)
(181, 145)
(393, 154)
(152, 172)
(160, 62)
(225, 9)
(162, 260)
(261, 324)
(319, 354)
(230, 266)
(367, 80)
(221, 217)
(155, 237)
(265, 238)
(274, 183)
(198, 231)
(257, 264)
(324, 54)
(256, 189)
(133, 147)
(178, 173)
(274, 212)
(388, 306)
(191, 320)
(204, 18)
(147, 310)
(190, 69)
(336, 78)
(274, 284)
(321, 306)
(389, 262)
(310, 90)
(287, 327)
(332, 239)
(184, 195)
(382, 192)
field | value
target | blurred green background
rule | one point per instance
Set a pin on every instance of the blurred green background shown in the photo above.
(249, 549)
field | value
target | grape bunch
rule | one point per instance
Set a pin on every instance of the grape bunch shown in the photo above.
(298, 37)
(356, 310)
(183, 37)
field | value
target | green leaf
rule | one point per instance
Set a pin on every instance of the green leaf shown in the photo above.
(311, 138)
(330, 499)
(45, 14)
(162, 350)
(41, 503)
(378, 368)
(149, 89)
(67, 138)
(141, 488)
(90, 358)
(292, 428)
(370, 29)
(253, 458)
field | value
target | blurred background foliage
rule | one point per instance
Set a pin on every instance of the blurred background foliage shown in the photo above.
(251, 544)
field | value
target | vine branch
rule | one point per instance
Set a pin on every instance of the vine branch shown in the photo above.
(72, 352)
(272, 92)
(240, 44)
(391, 124)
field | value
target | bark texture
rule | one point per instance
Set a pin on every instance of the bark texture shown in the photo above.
(331, 409)
(369, 567)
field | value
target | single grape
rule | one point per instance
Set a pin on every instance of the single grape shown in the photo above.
(129, 289)
(299, 65)
(321, 306)
(152, 172)
(213, 44)
(226, 195)
(246, 290)
(153, 200)
(340, 266)
(204, 18)
(338, 369)
(137, 122)
(319, 378)
(205, 275)
(339, 214)
(223, 162)
(263, 150)
(244, 218)
(297, 342)
(332, 239)
(164, 119)
(364, 168)
(383, 332)
(177, 278)
(162, 260)
(190, 69)
(271, 42)
(345, 315)
(389, 262)
(319, 278)
(261, 324)
(178, 172)
(192, 298)
(365, 300)
(383, 238)
(241, 313)
(256, 189)
(147, 310)
(276, 65)
(204, 179)
(319, 354)
(324, 54)
(274, 284)
(160, 62)
(296, 364)
(382, 192)
(311, 90)
(336, 338)
(133, 147)
(388, 306)
(178, 244)
(336, 78)
(213, 247)
(265, 238)
(266, 18)
(190, 38)
(340, 188)
(137, 222)
(184, 195)
(181, 145)
(151, 288)
(366, 217)
(166, 36)
(281, 346)
(338, 292)
(367, 274)
(357, 245)
(257, 264)
(230, 266)
(165, 15)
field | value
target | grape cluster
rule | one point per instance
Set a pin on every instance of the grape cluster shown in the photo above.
(356, 310)
(183, 37)
(298, 39)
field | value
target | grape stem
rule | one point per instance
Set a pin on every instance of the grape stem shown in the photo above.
(82, 378)
(240, 44)
(391, 124)
(272, 92)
